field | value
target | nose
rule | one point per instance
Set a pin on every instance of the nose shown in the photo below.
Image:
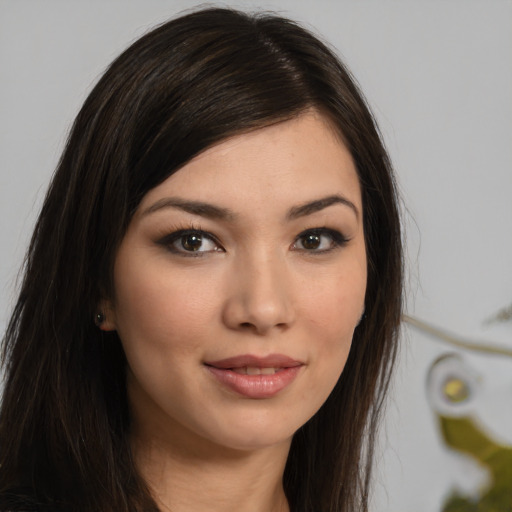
(260, 298)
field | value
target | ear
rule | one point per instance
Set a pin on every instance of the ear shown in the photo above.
(105, 317)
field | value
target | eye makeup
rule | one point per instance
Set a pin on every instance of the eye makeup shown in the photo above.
(193, 241)
(319, 240)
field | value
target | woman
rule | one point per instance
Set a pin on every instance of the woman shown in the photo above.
(212, 293)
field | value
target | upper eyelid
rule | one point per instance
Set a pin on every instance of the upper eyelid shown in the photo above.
(338, 237)
(177, 234)
(324, 231)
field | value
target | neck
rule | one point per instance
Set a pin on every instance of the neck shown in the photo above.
(199, 476)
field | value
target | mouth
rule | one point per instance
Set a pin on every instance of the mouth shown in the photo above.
(254, 370)
(275, 361)
(255, 377)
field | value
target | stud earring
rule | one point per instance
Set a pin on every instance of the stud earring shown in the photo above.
(99, 319)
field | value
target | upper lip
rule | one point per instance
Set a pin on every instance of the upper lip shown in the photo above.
(252, 361)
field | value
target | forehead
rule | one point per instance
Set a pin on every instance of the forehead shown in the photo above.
(287, 163)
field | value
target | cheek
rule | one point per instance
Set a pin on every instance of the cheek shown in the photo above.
(157, 321)
(336, 307)
(157, 312)
(332, 313)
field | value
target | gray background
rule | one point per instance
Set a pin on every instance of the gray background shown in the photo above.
(438, 75)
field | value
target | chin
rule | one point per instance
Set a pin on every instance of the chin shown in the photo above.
(251, 432)
(255, 441)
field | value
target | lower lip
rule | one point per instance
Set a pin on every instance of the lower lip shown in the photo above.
(256, 386)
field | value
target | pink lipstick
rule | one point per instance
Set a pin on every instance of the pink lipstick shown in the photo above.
(255, 377)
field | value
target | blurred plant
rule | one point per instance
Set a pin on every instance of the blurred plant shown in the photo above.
(452, 386)
(463, 435)
(455, 340)
(503, 315)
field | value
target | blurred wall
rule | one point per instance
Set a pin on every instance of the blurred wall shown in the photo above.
(438, 75)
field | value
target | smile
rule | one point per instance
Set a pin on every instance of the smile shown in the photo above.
(255, 377)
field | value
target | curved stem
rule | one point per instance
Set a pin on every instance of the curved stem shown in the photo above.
(455, 340)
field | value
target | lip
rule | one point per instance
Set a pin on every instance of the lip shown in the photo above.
(255, 386)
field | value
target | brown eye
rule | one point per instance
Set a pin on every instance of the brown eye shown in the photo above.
(319, 240)
(311, 241)
(192, 242)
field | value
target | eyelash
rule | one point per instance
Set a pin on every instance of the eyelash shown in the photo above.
(337, 240)
(178, 234)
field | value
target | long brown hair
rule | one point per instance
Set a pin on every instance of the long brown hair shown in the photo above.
(188, 84)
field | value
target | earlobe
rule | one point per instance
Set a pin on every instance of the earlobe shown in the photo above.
(105, 316)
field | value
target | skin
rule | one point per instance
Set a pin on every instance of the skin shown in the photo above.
(258, 286)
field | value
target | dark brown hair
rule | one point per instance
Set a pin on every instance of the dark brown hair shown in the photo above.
(188, 84)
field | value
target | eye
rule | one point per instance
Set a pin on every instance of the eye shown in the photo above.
(190, 242)
(319, 240)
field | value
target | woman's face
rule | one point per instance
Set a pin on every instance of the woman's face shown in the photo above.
(238, 287)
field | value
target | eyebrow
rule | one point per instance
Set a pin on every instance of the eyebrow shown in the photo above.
(320, 204)
(194, 207)
(211, 211)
